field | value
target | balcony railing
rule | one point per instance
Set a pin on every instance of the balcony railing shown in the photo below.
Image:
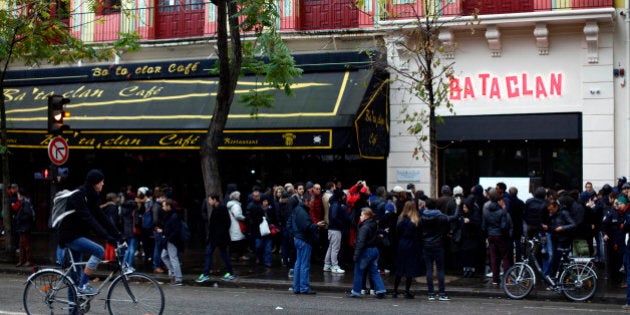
(175, 22)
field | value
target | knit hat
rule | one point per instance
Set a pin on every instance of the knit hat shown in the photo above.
(622, 199)
(94, 177)
(458, 190)
(445, 190)
(143, 190)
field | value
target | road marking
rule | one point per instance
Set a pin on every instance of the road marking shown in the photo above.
(10, 313)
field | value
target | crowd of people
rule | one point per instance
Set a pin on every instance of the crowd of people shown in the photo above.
(374, 231)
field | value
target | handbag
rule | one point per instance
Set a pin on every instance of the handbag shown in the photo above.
(274, 229)
(264, 227)
(242, 226)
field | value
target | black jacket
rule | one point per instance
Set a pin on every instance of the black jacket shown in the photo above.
(219, 226)
(367, 237)
(24, 217)
(87, 218)
(496, 221)
(562, 218)
(535, 210)
(172, 228)
(435, 225)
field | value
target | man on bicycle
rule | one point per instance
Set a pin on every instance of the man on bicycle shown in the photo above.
(87, 218)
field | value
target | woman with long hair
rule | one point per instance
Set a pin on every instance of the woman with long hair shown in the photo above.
(408, 253)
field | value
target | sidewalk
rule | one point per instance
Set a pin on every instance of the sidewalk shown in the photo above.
(250, 275)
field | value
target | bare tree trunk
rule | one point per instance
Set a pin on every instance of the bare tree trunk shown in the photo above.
(230, 61)
(6, 179)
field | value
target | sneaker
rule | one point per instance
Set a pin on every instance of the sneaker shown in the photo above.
(626, 307)
(362, 292)
(337, 269)
(372, 292)
(431, 297)
(444, 298)
(128, 270)
(228, 277)
(202, 278)
(327, 267)
(177, 284)
(87, 289)
(291, 273)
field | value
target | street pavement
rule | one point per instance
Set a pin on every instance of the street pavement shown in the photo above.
(254, 276)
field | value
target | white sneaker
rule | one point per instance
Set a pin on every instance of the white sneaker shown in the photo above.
(337, 269)
(327, 267)
(372, 292)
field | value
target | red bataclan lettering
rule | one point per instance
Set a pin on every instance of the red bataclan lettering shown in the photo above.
(511, 86)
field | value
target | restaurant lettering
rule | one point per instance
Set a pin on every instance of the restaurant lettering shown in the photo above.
(128, 72)
(486, 85)
(191, 139)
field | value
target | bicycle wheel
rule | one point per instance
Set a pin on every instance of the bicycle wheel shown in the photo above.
(579, 282)
(48, 292)
(518, 281)
(135, 293)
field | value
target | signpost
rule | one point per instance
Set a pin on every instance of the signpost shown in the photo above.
(58, 151)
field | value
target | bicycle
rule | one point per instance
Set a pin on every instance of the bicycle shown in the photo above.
(53, 290)
(577, 281)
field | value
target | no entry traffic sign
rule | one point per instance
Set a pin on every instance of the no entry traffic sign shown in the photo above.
(58, 151)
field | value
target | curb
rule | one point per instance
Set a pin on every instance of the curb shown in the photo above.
(537, 294)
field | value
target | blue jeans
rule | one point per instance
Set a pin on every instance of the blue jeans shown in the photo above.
(546, 265)
(368, 260)
(157, 250)
(224, 255)
(263, 249)
(301, 277)
(436, 255)
(131, 250)
(84, 245)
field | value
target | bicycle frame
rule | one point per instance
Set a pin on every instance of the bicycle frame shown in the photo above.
(76, 268)
(576, 278)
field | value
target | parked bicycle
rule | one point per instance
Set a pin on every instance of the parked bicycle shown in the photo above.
(577, 280)
(53, 290)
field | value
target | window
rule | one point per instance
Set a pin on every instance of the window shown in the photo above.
(108, 6)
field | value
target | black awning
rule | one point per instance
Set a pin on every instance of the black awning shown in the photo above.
(322, 100)
(175, 114)
(511, 127)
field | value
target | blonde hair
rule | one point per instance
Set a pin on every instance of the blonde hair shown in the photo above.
(410, 210)
(368, 212)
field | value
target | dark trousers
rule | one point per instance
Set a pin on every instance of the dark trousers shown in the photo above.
(25, 248)
(498, 254)
(434, 255)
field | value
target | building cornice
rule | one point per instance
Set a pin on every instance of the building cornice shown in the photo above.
(602, 15)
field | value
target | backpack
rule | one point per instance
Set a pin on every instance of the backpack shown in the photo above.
(59, 208)
(184, 232)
